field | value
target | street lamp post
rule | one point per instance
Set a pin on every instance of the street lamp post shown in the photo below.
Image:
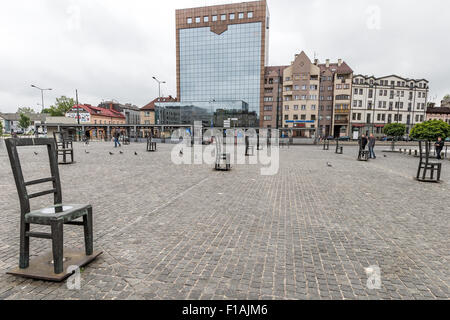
(159, 86)
(42, 94)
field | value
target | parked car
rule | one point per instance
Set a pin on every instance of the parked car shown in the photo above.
(447, 139)
(345, 138)
(330, 138)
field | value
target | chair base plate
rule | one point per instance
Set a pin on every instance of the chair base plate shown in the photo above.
(41, 268)
(66, 163)
(427, 180)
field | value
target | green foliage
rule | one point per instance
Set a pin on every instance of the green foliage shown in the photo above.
(395, 130)
(1, 128)
(447, 97)
(430, 130)
(26, 110)
(24, 121)
(61, 107)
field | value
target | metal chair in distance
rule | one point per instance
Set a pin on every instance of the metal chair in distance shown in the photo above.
(425, 166)
(151, 146)
(64, 147)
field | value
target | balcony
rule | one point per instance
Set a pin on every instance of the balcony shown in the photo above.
(342, 111)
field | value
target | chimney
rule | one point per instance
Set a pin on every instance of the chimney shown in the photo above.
(339, 62)
(316, 61)
(328, 63)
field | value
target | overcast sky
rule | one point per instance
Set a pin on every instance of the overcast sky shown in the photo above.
(110, 49)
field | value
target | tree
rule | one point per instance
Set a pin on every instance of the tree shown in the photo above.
(447, 97)
(26, 110)
(24, 121)
(61, 107)
(395, 130)
(1, 128)
(430, 130)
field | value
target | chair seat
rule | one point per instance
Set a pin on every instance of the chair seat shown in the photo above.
(47, 215)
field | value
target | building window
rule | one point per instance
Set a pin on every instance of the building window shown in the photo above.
(214, 18)
(250, 14)
(267, 108)
(241, 15)
(296, 107)
(223, 17)
(231, 16)
(197, 20)
(267, 118)
(286, 108)
(205, 19)
(189, 20)
(286, 117)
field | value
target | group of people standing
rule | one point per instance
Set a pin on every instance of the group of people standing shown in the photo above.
(370, 141)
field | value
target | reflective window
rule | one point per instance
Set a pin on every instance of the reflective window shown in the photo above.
(241, 15)
(223, 17)
(189, 20)
(205, 19)
(197, 20)
(214, 18)
(250, 15)
(231, 16)
(221, 67)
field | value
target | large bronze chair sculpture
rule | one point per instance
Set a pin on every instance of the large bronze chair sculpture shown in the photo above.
(56, 216)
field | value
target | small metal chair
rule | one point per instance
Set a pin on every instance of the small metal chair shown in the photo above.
(425, 166)
(55, 216)
(249, 150)
(64, 147)
(363, 155)
(339, 149)
(326, 145)
(223, 159)
(151, 146)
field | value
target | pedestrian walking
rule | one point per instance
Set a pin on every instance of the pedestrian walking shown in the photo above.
(87, 136)
(116, 139)
(363, 142)
(372, 142)
(439, 145)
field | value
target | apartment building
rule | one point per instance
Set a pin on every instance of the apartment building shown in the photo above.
(271, 113)
(335, 98)
(300, 108)
(379, 101)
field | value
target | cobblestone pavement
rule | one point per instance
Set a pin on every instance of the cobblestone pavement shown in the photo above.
(189, 232)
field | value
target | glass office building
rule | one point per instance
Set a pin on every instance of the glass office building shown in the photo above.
(221, 53)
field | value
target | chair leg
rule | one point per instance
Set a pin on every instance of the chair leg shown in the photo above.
(24, 259)
(58, 245)
(88, 233)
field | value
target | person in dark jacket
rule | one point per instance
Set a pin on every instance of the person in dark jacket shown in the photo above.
(439, 145)
(116, 139)
(363, 142)
(372, 141)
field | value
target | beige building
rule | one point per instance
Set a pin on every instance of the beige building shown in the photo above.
(335, 98)
(301, 96)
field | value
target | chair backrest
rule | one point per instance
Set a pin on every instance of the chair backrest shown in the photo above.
(24, 197)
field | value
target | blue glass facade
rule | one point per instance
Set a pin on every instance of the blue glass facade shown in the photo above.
(221, 67)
